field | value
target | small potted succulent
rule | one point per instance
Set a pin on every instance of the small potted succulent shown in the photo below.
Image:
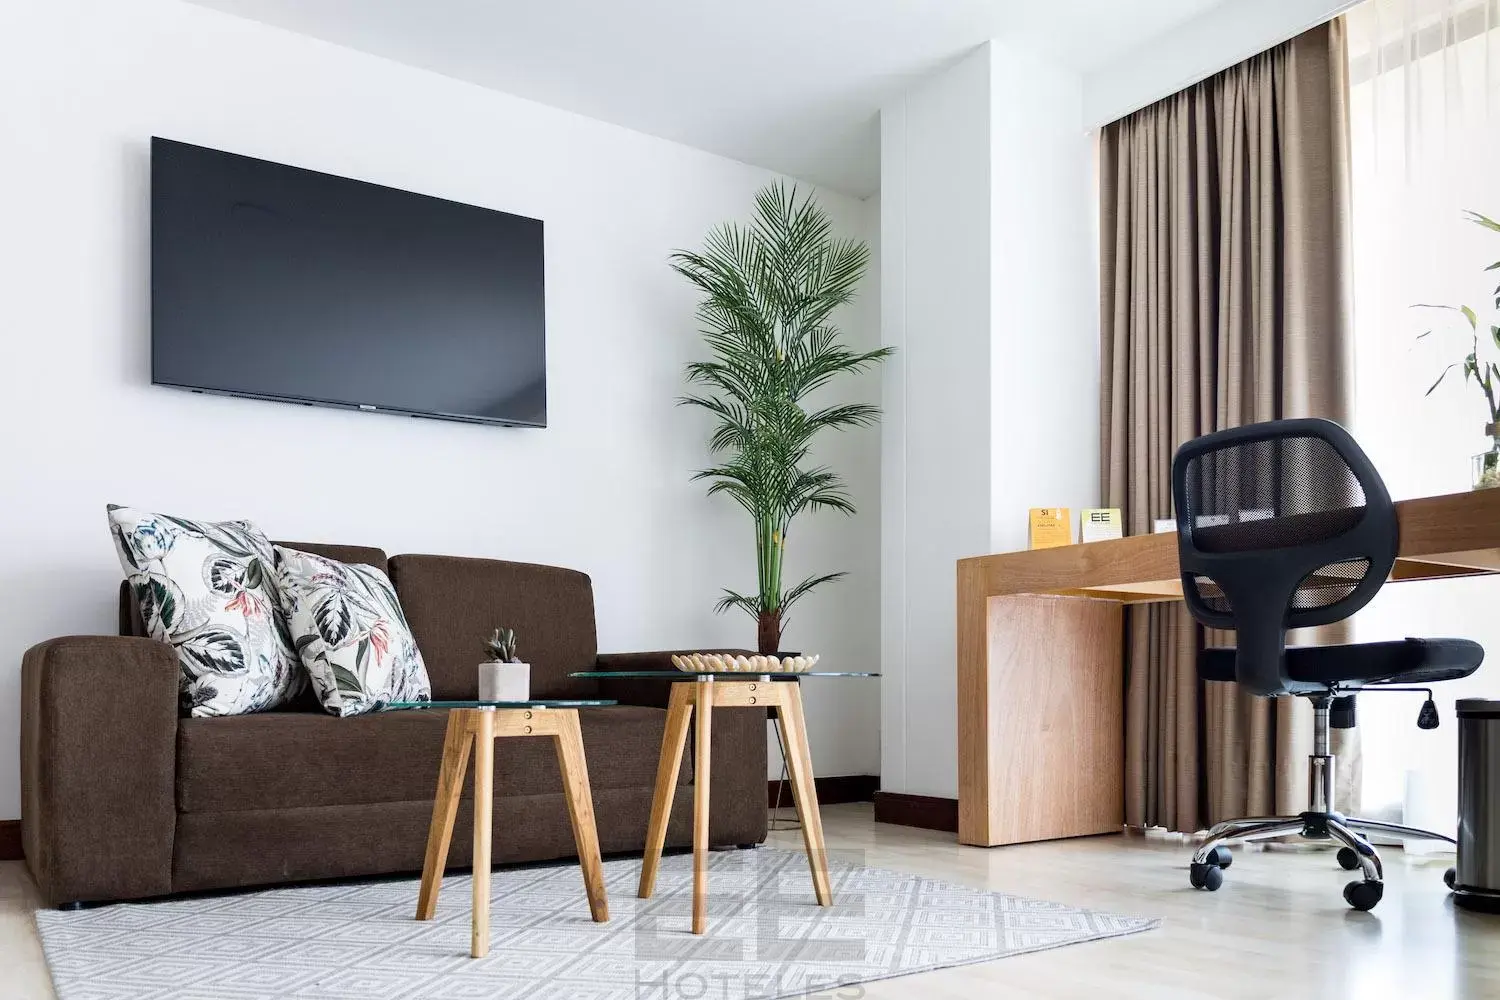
(503, 677)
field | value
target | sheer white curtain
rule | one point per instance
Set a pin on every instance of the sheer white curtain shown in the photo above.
(1425, 145)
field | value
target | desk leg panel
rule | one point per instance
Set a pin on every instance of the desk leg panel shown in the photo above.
(1041, 718)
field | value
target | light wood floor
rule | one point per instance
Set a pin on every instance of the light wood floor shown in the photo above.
(1278, 928)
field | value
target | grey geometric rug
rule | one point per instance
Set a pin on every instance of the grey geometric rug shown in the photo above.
(766, 938)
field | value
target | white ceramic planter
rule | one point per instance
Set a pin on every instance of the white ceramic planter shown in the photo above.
(504, 681)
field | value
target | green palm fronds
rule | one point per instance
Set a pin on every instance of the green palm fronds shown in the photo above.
(769, 291)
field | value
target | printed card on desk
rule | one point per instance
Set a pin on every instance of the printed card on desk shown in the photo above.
(1100, 523)
(1050, 527)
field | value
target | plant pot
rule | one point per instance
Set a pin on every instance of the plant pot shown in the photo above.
(768, 632)
(500, 681)
(1487, 469)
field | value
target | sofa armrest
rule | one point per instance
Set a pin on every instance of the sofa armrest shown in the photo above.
(98, 767)
(640, 690)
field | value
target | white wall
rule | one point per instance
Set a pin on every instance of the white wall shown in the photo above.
(935, 441)
(1223, 35)
(603, 489)
(1044, 360)
(992, 405)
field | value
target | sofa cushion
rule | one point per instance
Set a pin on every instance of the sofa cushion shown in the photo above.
(208, 590)
(289, 760)
(454, 603)
(276, 846)
(347, 627)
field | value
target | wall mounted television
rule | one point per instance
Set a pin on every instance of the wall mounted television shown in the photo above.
(275, 282)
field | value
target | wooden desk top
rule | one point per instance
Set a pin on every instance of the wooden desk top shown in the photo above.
(1445, 536)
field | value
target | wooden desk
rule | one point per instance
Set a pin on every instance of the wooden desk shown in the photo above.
(1041, 710)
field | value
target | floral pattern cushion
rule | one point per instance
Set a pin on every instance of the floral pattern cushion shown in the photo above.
(348, 627)
(208, 589)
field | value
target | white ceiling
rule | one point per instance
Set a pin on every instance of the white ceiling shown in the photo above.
(790, 85)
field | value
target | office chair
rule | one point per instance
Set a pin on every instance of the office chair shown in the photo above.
(1282, 525)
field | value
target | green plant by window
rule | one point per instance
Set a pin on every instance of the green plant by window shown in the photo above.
(769, 292)
(1481, 365)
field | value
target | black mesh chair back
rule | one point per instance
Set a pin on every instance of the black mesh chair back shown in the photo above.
(1284, 524)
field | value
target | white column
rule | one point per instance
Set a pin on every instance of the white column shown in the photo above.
(1044, 353)
(935, 499)
(991, 403)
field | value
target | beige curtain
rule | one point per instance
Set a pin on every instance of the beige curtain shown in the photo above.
(1224, 301)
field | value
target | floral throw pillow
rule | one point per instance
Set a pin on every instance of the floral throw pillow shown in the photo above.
(349, 630)
(208, 589)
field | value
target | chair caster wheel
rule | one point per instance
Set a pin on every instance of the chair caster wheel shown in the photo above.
(1348, 859)
(1205, 876)
(1221, 857)
(1363, 895)
(1450, 877)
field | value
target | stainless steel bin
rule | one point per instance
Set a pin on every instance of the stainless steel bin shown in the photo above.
(1477, 884)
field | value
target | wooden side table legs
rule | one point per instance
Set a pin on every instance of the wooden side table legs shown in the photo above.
(575, 775)
(483, 726)
(703, 706)
(669, 765)
(804, 791)
(456, 744)
(476, 730)
(704, 695)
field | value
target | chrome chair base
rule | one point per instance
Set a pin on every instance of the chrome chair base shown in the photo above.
(1346, 830)
(1319, 822)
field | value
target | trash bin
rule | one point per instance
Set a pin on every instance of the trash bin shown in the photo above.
(1477, 884)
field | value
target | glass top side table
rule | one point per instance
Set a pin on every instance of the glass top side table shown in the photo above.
(473, 726)
(703, 693)
(484, 705)
(722, 675)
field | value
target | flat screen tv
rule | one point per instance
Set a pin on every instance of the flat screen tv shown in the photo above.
(280, 283)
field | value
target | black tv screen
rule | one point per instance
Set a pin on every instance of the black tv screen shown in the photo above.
(281, 283)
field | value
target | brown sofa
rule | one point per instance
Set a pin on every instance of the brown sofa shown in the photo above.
(124, 799)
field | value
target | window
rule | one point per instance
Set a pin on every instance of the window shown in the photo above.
(1424, 144)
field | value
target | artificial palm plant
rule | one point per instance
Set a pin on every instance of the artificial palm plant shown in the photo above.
(769, 292)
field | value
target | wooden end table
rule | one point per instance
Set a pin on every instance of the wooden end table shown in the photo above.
(702, 693)
(473, 726)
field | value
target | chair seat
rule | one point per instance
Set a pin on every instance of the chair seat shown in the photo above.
(1399, 661)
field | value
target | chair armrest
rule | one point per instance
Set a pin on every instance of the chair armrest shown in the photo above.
(98, 767)
(639, 690)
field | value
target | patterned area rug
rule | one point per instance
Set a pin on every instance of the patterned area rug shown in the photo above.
(767, 938)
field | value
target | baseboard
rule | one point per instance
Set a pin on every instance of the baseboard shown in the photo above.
(923, 811)
(832, 790)
(10, 840)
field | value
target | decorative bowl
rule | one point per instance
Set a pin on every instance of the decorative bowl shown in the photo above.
(725, 663)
